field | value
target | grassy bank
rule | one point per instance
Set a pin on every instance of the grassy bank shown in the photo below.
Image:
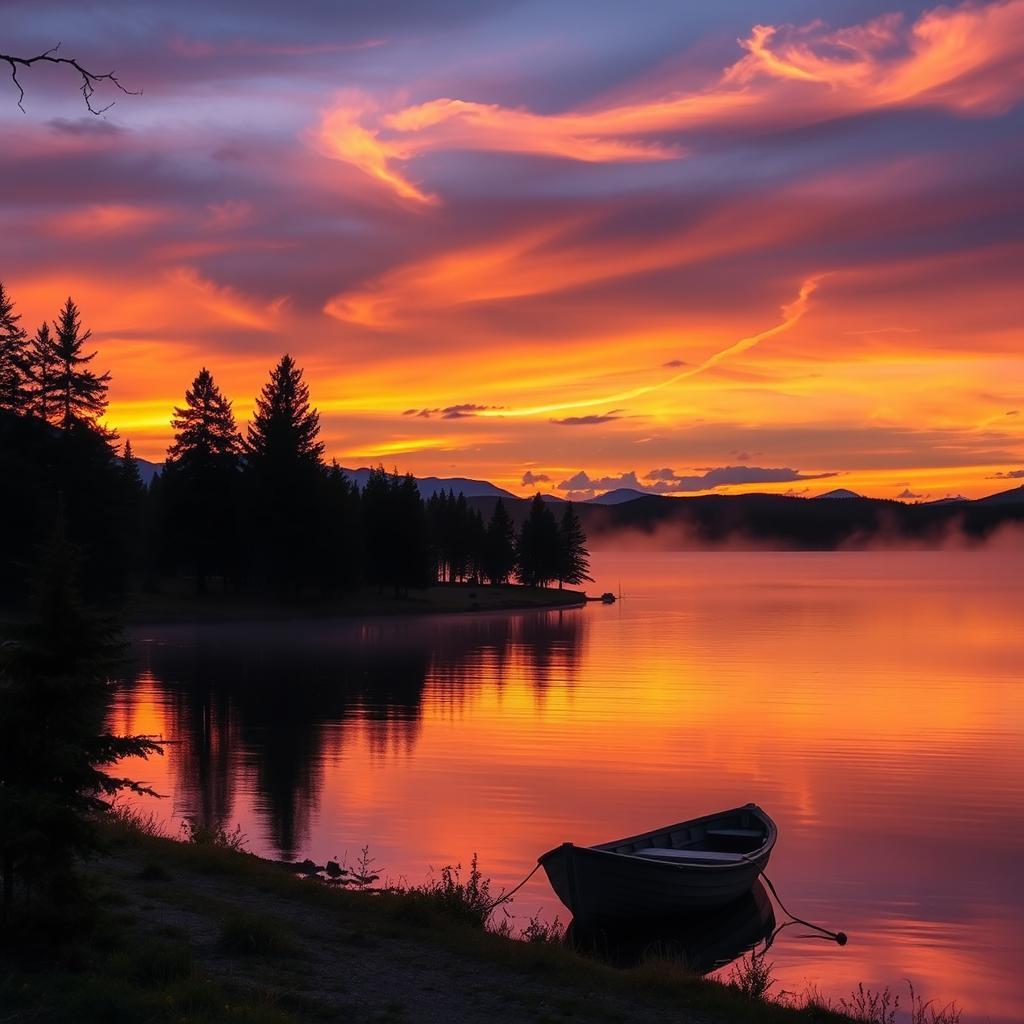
(199, 933)
(185, 606)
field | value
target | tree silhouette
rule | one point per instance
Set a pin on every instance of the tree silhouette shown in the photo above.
(13, 357)
(539, 546)
(201, 480)
(88, 80)
(499, 557)
(285, 469)
(79, 394)
(42, 372)
(574, 563)
(54, 691)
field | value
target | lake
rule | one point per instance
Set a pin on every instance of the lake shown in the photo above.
(871, 702)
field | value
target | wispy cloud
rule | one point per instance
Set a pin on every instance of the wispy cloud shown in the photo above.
(962, 59)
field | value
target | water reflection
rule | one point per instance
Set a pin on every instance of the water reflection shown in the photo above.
(267, 707)
(701, 943)
(871, 702)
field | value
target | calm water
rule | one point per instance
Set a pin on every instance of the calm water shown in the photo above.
(871, 702)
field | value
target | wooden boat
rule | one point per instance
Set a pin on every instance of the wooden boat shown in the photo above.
(699, 864)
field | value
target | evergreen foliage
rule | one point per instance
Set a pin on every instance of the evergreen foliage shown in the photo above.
(499, 550)
(539, 549)
(79, 394)
(263, 514)
(574, 564)
(42, 373)
(14, 357)
(54, 690)
(284, 469)
(201, 483)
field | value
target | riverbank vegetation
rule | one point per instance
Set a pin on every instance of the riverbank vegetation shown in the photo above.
(253, 512)
(196, 931)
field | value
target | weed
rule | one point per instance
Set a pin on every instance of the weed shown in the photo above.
(542, 932)
(871, 1007)
(258, 934)
(153, 965)
(135, 822)
(216, 836)
(752, 976)
(467, 901)
(922, 1012)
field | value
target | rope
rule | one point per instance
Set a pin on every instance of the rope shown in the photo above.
(840, 938)
(506, 896)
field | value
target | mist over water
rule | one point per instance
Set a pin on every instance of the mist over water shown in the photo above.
(870, 701)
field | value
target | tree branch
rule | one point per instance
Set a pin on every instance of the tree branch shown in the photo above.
(89, 79)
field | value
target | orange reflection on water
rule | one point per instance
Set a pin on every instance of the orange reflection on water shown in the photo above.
(870, 701)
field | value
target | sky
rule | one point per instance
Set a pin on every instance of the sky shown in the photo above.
(563, 246)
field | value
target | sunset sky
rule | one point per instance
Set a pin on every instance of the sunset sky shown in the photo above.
(560, 246)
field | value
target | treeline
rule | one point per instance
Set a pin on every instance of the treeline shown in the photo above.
(255, 511)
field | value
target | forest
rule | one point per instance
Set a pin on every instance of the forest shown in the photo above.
(259, 510)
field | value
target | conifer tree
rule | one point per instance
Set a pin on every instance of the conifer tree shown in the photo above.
(54, 691)
(13, 357)
(539, 546)
(284, 462)
(201, 481)
(499, 559)
(80, 394)
(574, 560)
(285, 430)
(42, 372)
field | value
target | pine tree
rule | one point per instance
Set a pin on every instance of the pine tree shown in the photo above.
(54, 691)
(204, 430)
(539, 547)
(13, 357)
(284, 463)
(285, 429)
(574, 560)
(201, 493)
(80, 395)
(499, 560)
(130, 468)
(42, 371)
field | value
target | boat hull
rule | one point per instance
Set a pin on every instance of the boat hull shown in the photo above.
(599, 884)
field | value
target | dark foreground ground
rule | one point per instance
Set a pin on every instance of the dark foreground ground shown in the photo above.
(190, 933)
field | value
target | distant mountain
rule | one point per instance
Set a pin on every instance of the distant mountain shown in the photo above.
(430, 485)
(950, 499)
(1011, 497)
(553, 498)
(840, 492)
(148, 470)
(617, 497)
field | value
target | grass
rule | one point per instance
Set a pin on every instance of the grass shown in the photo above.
(265, 928)
(256, 934)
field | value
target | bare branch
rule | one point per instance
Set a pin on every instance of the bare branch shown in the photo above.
(89, 79)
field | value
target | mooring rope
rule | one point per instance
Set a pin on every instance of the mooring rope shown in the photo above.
(506, 896)
(840, 938)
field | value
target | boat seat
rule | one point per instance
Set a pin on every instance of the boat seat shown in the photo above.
(735, 833)
(691, 856)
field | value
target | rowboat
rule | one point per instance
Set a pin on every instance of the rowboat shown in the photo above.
(693, 865)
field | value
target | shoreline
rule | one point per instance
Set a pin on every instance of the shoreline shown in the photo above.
(151, 609)
(200, 931)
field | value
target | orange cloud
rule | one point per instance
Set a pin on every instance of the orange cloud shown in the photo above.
(107, 219)
(967, 60)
